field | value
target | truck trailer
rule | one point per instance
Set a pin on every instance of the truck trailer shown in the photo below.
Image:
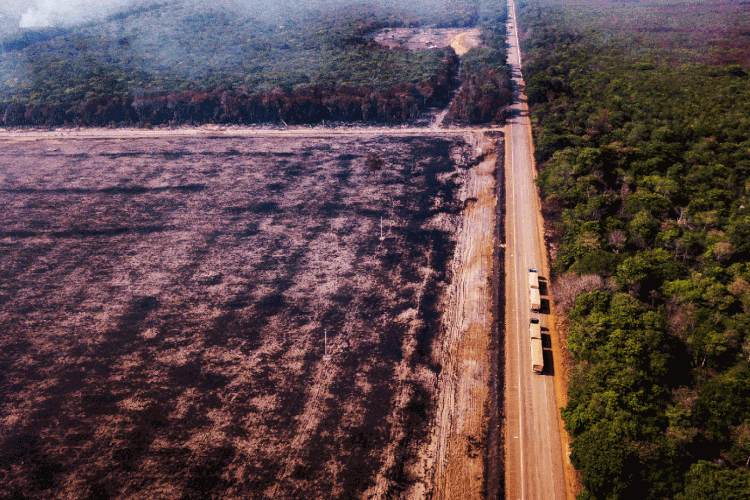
(537, 355)
(533, 278)
(536, 300)
(535, 332)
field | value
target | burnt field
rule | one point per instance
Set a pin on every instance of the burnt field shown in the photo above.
(164, 304)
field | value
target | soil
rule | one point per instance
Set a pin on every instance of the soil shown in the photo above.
(467, 347)
(166, 300)
(461, 39)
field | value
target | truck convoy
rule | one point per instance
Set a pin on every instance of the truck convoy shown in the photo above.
(535, 331)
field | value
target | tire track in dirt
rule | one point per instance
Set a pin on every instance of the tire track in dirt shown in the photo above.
(461, 423)
(310, 420)
(466, 40)
(214, 131)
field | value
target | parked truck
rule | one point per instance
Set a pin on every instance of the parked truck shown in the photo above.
(535, 332)
(537, 351)
(533, 278)
(536, 300)
(537, 355)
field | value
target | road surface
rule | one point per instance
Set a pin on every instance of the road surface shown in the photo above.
(534, 452)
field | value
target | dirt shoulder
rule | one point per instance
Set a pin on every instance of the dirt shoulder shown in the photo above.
(460, 429)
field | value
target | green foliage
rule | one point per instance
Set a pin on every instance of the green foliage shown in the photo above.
(642, 141)
(379, 67)
(708, 481)
(618, 390)
(485, 77)
(600, 454)
(724, 405)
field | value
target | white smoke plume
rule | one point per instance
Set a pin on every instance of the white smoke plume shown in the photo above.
(46, 13)
(43, 13)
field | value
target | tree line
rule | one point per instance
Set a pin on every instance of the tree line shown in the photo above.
(485, 90)
(300, 105)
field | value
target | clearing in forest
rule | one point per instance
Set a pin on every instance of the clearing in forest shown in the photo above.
(461, 39)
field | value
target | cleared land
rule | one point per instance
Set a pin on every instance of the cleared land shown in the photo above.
(461, 39)
(466, 405)
(165, 302)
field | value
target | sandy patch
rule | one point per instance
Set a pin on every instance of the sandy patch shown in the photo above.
(461, 39)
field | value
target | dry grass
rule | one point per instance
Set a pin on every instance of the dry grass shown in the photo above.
(567, 287)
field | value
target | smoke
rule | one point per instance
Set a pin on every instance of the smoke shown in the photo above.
(44, 13)
(34, 14)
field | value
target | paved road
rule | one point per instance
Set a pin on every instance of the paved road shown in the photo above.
(534, 458)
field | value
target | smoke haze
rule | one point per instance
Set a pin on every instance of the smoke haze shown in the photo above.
(27, 14)
(45, 13)
(30, 14)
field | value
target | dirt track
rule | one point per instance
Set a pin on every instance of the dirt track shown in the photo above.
(461, 39)
(463, 409)
(466, 40)
(217, 131)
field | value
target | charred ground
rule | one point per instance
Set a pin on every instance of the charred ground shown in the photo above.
(164, 303)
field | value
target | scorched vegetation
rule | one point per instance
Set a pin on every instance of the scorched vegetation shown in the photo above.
(166, 304)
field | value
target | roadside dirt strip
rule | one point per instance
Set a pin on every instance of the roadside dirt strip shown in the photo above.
(537, 458)
(464, 385)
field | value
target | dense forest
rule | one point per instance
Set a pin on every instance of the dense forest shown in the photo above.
(178, 63)
(642, 132)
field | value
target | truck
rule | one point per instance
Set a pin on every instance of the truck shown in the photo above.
(536, 300)
(533, 278)
(535, 332)
(537, 355)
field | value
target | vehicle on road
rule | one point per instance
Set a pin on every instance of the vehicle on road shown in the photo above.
(537, 351)
(535, 332)
(536, 300)
(537, 355)
(533, 278)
